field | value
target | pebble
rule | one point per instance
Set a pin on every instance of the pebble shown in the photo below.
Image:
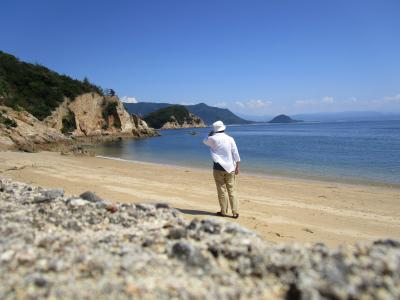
(91, 197)
(7, 256)
(54, 193)
(162, 205)
(177, 233)
(77, 202)
(112, 208)
(40, 281)
(188, 253)
(26, 257)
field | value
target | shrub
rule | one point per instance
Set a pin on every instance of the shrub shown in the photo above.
(10, 123)
(3, 87)
(117, 122)
(110, 109)
(68, 122)
(7, 121)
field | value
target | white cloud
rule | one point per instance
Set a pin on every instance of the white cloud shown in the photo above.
(312, 102)
(253, 104)
(186, 103)
(327, 100)
(240, 104)
(258, 103)
(127, 99)
(395, 98)
(304, 102)
(349, 103)
(388, 100)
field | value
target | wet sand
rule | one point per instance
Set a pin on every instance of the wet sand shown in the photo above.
(279, 209)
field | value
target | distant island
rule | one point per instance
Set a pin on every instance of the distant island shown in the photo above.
(173, 117)
(209, 114)
(284, 119)
(343, 116)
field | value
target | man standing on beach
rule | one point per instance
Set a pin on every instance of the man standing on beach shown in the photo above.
(225, 156)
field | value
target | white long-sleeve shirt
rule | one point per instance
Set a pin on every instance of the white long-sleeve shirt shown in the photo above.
(223, 150)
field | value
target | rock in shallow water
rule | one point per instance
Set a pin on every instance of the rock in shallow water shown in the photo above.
(59, 247)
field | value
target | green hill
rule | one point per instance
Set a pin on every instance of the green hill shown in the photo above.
(175, 113)
(208, 114)
(35, 88)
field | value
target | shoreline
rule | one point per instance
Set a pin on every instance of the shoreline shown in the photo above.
(278, 209)
(282, 176)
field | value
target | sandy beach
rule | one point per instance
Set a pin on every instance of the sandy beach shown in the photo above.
(279, 209)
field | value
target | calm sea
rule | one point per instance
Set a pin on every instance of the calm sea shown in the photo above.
(367, 152)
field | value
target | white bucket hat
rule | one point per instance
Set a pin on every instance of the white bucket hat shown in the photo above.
(218, 126)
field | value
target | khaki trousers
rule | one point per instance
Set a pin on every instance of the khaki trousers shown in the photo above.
(226, 182)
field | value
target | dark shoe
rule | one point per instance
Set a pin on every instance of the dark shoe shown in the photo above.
(220, 214)
(235, 216)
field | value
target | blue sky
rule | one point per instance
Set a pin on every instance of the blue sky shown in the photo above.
(254, 57)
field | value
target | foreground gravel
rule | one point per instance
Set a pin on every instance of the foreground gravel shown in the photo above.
(56, 246)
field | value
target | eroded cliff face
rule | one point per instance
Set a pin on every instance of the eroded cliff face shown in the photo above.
(94, 115)
(191, 122)
(25, 132)
(89, 115)
(141, 127)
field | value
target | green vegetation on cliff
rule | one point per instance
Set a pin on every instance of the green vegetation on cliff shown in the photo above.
(68, 122)
(110, 109)
(178, 113)
(7, 121)
(35, 88)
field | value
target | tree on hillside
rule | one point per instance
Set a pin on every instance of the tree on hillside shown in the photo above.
(3, 88)
(109, 92)
(35, 88)
(178, 113)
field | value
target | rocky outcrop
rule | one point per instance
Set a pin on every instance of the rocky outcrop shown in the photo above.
(191, 122)
(96, 115)
(56, 119)
(141, 128)
(27, 133)
(82, 247)
(88, 116)
(43, 106)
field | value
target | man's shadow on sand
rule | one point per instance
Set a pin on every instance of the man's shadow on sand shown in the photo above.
(196, 212)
